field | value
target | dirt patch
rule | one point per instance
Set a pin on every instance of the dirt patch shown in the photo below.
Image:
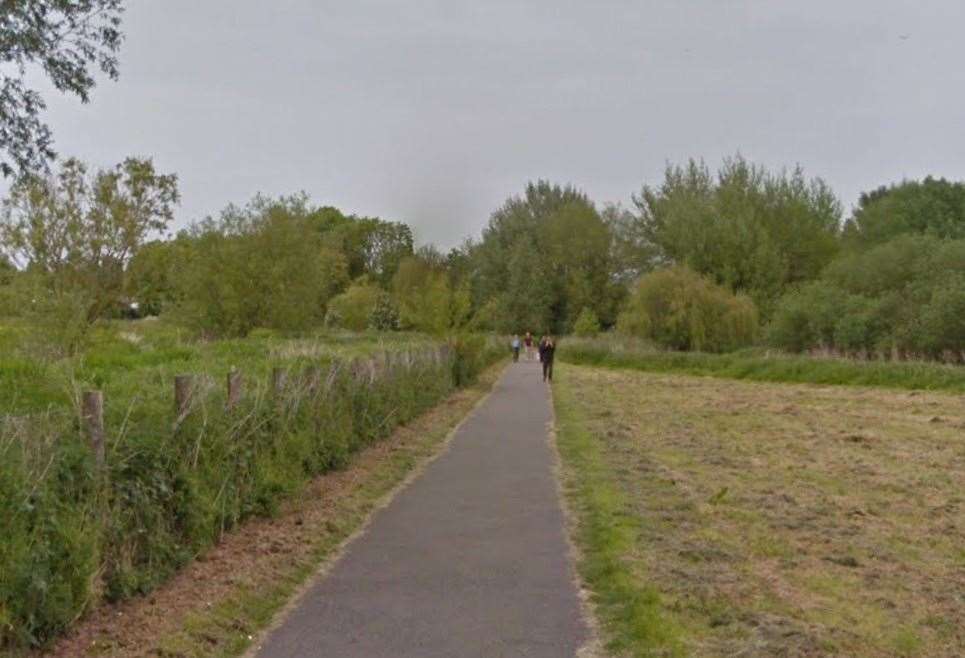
(789, 520)
(209, 609)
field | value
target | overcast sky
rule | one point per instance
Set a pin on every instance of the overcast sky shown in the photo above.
(434, 111)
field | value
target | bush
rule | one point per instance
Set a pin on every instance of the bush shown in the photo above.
(587, 325)
(261, 266)
(901, 296)
(385, 316)
(679, 309)
(353, 309)
(167, 496)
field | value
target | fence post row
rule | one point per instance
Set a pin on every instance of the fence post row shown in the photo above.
(93, 419)
(387, 363)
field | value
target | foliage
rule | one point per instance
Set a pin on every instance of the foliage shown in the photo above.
(899, 298)
(168, 495)
(632, 253)
(426, 296)
(152, 277)
(748, 229)
(682, 310)
(587, 325)
(385, 316)
(543, 257)
(75, 233)
(756, 365)
(933, 207)
(372, 247)
(261, 266)
(63, 39)
(353, 309)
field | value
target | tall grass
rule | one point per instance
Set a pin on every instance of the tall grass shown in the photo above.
(764, 366)
(74, 535)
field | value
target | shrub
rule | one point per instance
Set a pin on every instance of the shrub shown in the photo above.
(903, 295)
(353, 308)
(385, 316)
(679, 309)
(587, 325)
(71, 539)
(261, 266)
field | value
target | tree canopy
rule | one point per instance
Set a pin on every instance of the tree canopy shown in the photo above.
(933, 206)
(543, 258)
(66, 40)
(748, 229)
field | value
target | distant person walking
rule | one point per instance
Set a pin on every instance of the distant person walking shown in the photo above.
(514, 346)
(547, 350)
(528, 342)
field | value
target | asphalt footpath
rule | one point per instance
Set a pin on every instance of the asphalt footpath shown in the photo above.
(469, 560)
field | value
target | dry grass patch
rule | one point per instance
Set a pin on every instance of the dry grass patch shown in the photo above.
(789, 520)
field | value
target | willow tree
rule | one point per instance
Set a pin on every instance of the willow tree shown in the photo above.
(751, 230)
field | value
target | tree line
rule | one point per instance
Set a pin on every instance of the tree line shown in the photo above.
(706, 260)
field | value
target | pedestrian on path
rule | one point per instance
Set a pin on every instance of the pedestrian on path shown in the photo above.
(547, 350)
(528, 342)
(514, 346)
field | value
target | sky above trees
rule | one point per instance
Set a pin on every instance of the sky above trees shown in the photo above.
(432, 112)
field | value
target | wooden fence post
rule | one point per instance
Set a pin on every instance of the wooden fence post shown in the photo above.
(313, 378)
(183, 390)
(235, 383)
(279, 378)
(93, 417)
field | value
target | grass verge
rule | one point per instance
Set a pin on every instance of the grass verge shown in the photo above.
(219, 605)
(755, 366)
(629, 609)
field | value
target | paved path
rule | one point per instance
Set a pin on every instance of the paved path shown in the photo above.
(469, 560)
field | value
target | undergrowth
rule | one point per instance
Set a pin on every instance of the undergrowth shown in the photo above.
(75, 535)
(758, 365)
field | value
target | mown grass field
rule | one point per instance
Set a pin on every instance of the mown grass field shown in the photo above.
(719, 517)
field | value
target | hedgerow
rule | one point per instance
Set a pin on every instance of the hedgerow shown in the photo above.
(76, 534)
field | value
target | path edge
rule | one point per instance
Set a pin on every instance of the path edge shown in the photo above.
(592, 647)
(335, 556)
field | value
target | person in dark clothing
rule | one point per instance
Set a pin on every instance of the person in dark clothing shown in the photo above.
(547, 349)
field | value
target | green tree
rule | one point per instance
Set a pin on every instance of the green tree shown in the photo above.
(385, 315)
(75, 233)
(632, 254)
(152, 277)
(261, 266)
(748, 229)
(682, 310)
(353, 309)
(373, 247)
(65, 40)
(428, 298)
(902, 296)
(934, 207)
(543, 257)
(587, 325)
